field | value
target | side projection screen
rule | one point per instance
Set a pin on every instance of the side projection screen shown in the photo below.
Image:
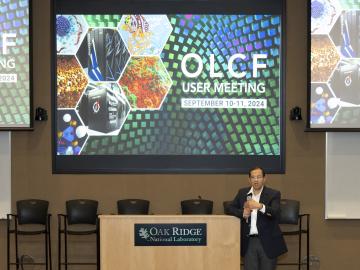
(165, 86)
(15, 65)
(334, 100)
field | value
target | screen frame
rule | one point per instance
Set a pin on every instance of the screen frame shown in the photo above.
(31, 110)
(308, 118)
(165, 164)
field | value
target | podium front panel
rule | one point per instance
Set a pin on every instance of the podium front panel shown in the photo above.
(118, 249)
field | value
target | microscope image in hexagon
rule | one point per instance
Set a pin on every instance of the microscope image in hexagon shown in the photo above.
(324, 104)
(145, 34)
(345, 34)
(103, 108)
(70, 30)
(71, 133)
(324, 58)
(345, 82)
(145, 82)
(323, 15)
(103, 54)
(71, 81)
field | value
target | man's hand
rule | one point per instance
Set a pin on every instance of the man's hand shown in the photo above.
(247, 212)
(253, 205)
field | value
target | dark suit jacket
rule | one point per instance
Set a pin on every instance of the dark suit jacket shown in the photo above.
(267, 224)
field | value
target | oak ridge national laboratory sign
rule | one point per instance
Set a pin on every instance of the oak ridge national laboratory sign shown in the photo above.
(166, 234)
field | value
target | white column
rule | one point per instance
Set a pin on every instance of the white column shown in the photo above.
(5, 173)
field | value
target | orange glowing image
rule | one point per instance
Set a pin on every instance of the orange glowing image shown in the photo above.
(145, 82)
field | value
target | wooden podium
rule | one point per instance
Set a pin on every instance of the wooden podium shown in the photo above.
(118, 250)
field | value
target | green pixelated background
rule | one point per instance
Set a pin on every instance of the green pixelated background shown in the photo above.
(350, 4)
(103, 20)
(15, 97)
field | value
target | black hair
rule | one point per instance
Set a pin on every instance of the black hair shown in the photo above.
(257, 168)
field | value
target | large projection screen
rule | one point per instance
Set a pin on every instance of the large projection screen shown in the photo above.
(15, 65)
(168, 86)
(334, 75)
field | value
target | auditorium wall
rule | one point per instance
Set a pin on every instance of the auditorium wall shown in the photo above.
(334, 242)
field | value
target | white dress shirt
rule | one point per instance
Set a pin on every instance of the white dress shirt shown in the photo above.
(253, 227)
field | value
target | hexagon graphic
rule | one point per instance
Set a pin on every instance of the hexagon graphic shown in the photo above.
(345, 82)
(71, 133)
(145, 34)
(70, 30)
(145, 82)
(324, 104)
(344, 34)
(103, 54)
(103, 108)
(324, 58)
(323, 15)
(71, 81)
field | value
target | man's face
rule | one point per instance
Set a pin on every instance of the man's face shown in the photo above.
(256, 179)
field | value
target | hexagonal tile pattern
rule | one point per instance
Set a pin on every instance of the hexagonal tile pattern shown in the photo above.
(145, 34)
(103, 54)
(324, 104)
(70, 31)
(343, 34)
(71, 133)
(103, 108)
(324, 58)
(71, 81)
(145, 82)
(323, 15)
(345, 82)
(347, 116)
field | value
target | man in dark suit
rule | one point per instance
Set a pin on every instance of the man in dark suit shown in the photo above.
(258, 207)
